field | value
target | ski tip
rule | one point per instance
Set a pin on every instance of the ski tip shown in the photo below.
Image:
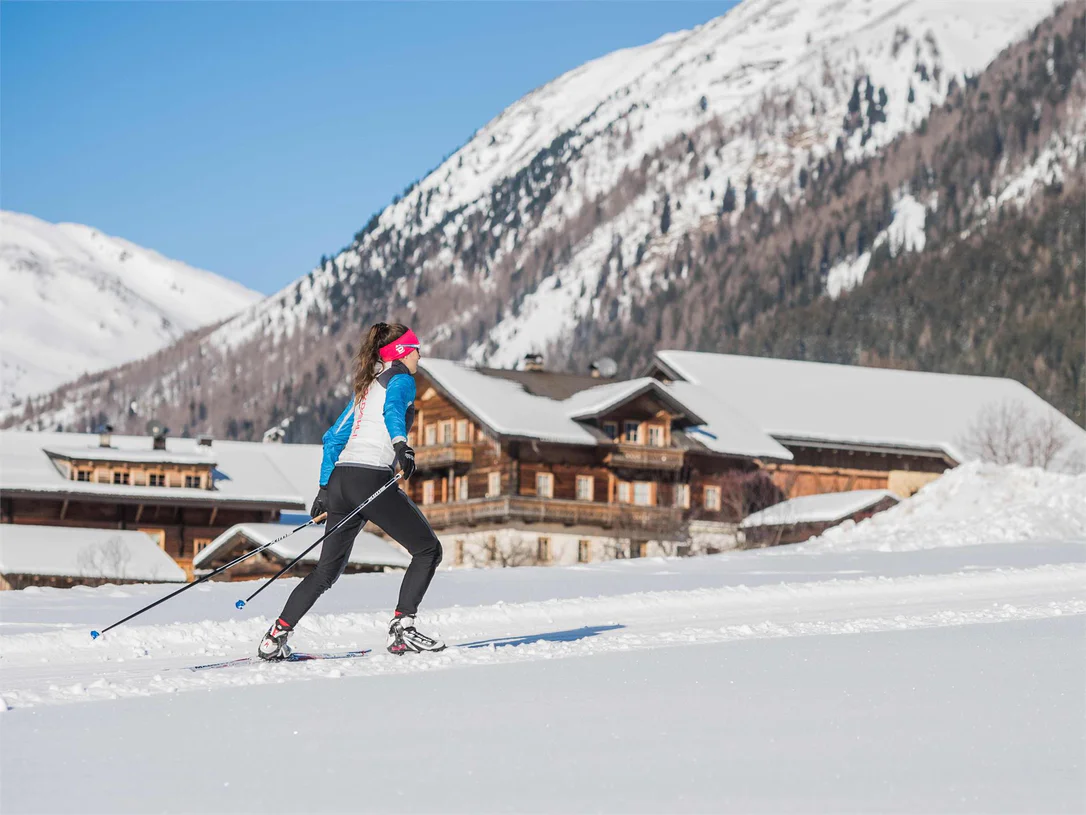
(239, 604)
(95, 635)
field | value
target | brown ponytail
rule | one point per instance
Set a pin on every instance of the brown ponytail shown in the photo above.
(368, 361)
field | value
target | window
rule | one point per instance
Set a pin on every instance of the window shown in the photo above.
(83, 475)
(624, 492)
(656, 435)
(156, 480)
(194, 481)
(586, 488)
(447, 432)
(629, 430)
(459, 553)
(712, 498)
(427, 492)
(199, 544)
(120, 478)
(462, 488)
(583, 551)
(682, 496)
(543, 550)
(610, 429)
(544, 485)
(463, 431)
(431, 434)
(643, 493)
(493, 484)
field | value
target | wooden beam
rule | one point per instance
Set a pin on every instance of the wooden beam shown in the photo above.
(64, 509)
(139, 513)
(214, 514)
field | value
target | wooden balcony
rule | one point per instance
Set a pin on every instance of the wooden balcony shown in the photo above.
(642, 457)
(624, 520)
(442, 456)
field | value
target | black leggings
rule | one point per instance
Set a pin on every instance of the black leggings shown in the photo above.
(394, 512)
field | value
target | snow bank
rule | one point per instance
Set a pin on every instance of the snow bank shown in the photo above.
(975, 503)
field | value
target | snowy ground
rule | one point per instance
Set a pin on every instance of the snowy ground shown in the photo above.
(943, 679)
(899, 665)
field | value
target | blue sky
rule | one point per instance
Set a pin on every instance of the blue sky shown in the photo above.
(251, 138)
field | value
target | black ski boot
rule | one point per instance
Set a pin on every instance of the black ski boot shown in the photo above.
(274, 645)
(404, 638)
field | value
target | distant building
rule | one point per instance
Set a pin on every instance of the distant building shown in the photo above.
(534, 467)
(798, 519)
(182, 493)
(61, 557)
(370, 553)
(850, 428)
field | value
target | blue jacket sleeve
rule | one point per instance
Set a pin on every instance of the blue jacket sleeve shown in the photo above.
(335, 439)
(399, 396)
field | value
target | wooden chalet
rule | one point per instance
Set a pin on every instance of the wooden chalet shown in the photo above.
(848, 427)
(539, 467)
(183, 493)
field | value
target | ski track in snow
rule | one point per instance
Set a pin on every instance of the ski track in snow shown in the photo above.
(65, 666)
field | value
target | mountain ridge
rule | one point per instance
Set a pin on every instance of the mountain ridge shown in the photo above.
(597, 245)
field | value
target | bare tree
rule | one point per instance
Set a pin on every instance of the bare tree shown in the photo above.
(1008, 433)
(107, 560)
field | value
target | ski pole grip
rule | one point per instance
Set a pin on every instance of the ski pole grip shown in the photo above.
(321, 518)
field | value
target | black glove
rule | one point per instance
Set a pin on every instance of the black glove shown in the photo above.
(320, 503)
(405, 457)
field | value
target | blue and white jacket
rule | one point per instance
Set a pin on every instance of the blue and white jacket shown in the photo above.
(364, 433)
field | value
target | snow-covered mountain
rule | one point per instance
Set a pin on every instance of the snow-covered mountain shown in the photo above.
(755, 94)
(74, 300)
(676, 193)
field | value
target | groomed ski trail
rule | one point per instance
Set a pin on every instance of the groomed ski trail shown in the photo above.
(66, 666)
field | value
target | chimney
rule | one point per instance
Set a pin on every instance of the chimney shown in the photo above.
(274, 435)
(533, 362)
(204, 440)
(105, 435)
(604, 367)
(158, 433)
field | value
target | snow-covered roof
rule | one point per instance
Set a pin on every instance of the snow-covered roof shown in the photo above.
(508, 409)
(602, 398)
(98, 453)
(504, 406)
(827, 508)
(724, 429)
(62, 551)
(368, 550)
(825, 403)
(279, 475)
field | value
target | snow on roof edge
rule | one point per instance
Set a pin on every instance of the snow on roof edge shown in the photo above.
(822, 508)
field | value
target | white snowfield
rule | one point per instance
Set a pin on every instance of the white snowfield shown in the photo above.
(74, 300)
(800, 679)
(1011, 504)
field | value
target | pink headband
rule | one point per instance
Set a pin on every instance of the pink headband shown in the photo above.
(400, 347)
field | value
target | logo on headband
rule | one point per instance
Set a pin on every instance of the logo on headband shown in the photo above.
(399, 349)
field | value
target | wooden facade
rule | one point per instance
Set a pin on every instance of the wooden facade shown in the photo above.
(645, 480)
(818, 469)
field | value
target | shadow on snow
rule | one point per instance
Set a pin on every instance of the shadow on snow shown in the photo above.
(571, 635)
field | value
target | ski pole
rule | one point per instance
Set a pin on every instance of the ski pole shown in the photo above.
(319, 519)
(355, 511)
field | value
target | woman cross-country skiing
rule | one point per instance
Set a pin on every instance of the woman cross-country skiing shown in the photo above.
(360, 450)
